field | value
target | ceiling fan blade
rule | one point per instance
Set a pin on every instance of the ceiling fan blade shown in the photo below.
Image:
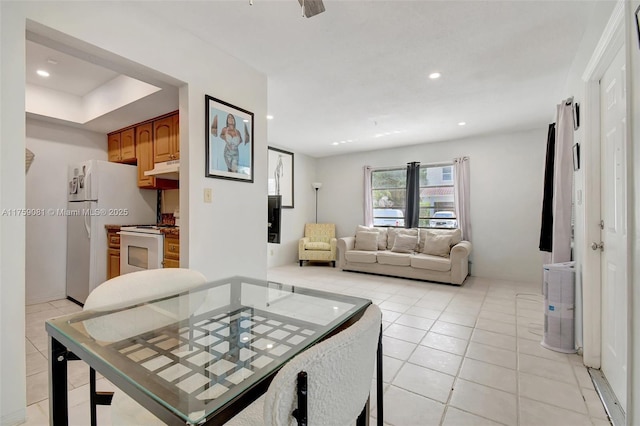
(311, 7)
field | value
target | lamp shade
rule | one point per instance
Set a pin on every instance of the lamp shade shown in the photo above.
(316, 185)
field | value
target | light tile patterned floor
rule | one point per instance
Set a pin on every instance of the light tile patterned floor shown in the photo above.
(467, 355)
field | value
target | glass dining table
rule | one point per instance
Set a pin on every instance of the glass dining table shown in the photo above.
(200, 356)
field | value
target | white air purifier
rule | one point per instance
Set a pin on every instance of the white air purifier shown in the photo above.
(559, 307)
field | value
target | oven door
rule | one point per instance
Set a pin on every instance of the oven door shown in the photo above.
(139, 252)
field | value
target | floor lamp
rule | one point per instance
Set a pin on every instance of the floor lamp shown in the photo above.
(316, 186)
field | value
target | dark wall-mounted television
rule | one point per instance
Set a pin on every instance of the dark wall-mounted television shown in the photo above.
(274, 218)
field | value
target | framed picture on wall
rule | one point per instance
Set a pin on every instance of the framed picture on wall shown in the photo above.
(280, 177)
(229, 141)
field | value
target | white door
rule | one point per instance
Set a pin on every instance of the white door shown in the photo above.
(614, 233)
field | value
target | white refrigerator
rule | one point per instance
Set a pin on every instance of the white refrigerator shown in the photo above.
(100, 193)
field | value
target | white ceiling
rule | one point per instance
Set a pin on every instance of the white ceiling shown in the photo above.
(358, 73)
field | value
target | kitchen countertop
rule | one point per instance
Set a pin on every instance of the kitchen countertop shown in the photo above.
(172, 232)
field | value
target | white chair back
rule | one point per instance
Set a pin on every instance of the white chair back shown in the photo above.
(137, 287)
(339, 369)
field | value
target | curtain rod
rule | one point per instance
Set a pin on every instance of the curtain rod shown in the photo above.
(400, 167)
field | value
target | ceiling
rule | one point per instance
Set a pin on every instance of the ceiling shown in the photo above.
(355, 78)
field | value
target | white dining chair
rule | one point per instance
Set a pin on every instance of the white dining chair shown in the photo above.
(338, 372)
(126, 290)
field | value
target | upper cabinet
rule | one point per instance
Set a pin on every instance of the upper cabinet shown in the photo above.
(122, 146)
(153, 141)
(145, 146)
(166, 137)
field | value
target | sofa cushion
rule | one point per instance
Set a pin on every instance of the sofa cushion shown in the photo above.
(405, 243)
(437, 244)
(382, 235)
(367, 240)
(360, 256)
(316, 245)
(391, 258)
(393, 232)
(456, 236)
(434, 263)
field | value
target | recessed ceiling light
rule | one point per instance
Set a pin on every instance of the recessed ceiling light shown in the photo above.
(434, 75)
(42, 73)
(462, 123)
(336, 143)
(269, 117)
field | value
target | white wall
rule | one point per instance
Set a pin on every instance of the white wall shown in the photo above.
(224, 238)
(293, 220)
(55, 146)
(506, 195)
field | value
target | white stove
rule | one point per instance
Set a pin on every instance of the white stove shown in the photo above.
(141, 247)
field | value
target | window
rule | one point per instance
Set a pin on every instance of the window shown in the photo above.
(437, 203)
(388, 194)
(447, 174)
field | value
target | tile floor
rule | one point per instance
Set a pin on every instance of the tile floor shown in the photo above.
(467, 355)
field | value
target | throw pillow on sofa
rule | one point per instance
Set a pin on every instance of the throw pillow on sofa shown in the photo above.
(405, 243)
(394, 232)
(367, 241)
(456, 236)
(437, 244)
(382, 235)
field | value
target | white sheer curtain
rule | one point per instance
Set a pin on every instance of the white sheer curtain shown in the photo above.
(563, 179)
(461, 188)
(368, 201)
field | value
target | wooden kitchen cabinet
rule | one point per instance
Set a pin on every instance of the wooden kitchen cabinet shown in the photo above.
(171, 251)
(113, 253)
(122, 146)
(144, 147)
(166, 139)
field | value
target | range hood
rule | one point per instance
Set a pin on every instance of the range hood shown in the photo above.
(166, 170)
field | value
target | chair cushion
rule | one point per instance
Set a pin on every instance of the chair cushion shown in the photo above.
(456, 236)
(391, 258)
(317, 245)
(360, 256)
(434, 263)
(437, 244)
(367, 240)
(405, 243)
(382, 235)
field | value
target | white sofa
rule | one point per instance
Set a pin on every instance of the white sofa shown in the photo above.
(449, 265)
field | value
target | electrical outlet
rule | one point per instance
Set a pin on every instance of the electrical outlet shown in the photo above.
(208, 195)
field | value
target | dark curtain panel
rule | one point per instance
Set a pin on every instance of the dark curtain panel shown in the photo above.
(412, 211)
(546, 230)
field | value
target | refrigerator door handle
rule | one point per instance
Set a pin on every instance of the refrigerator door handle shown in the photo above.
(87, 219)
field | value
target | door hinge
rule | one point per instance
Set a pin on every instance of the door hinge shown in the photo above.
(601, 224)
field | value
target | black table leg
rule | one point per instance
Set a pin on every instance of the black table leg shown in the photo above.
(58, 403)
(379, 382)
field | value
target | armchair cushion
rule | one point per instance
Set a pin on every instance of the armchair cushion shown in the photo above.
(317, 246)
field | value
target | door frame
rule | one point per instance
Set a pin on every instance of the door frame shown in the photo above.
(612, 39)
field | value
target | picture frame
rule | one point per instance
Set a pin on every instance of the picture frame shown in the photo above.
(576, 157)
(228, 145)
(637, 13)
(281, 175)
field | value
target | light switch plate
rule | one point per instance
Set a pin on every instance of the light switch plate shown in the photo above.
(208, 195)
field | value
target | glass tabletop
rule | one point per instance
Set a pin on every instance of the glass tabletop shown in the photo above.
(196, 351)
